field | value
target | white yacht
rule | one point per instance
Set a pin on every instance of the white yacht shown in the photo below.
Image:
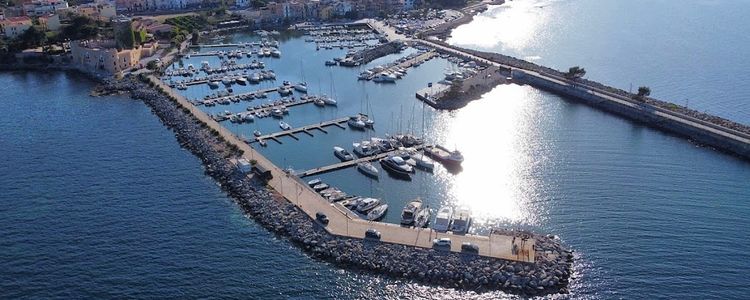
(284, 125)
(367, 204)
(443, 219)
(342, 154)
(377, 213)
(301, 87)
(356, 122)
(408, 215)
(368, 169)
(365, 149)
(329, 101)
(461, 221)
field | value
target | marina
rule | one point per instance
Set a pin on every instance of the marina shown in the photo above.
(580, 188)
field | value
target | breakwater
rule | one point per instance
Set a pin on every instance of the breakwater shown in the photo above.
(550, 271)
(695, 129)
(722, 134)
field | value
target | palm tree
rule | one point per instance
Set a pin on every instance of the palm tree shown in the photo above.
(643, 92)
(575, 73)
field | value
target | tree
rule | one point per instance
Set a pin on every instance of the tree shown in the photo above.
(643, 92)
(196, 37)
(80, 28)
(575, 72)
(31, 38)
(152, 65)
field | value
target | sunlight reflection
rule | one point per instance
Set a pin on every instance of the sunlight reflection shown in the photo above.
(495, 135)
(525, 18)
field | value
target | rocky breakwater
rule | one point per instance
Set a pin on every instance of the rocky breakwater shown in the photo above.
(549, 274)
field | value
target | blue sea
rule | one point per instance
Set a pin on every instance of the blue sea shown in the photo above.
(99, 200)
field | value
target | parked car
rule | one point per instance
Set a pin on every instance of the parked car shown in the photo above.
(372, 234)
(441, 243)
(469, 248)
(322, 218)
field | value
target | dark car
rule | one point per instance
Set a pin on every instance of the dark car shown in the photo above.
(372, 234)
(469, 248)
(322, 218)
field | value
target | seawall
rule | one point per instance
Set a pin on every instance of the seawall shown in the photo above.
(703, 132)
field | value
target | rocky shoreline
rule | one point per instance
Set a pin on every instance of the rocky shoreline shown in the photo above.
(550, 274)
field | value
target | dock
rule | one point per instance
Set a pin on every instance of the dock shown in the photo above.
(304, 129)
(407, 64)
(347, 164)
(430, 94)
(275, 106)
(244, 95)
(215, 45)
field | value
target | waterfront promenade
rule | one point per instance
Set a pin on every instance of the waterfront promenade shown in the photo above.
(345, 223)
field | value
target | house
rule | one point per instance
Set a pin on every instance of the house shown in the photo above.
(12, 27)
(35, 8)
(99, 10)
(50, 22)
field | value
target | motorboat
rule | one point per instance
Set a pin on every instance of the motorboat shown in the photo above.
(356, 123)
(320, 186)
(319, 102)
(301, 87)
(241, 80)
(444, 156)
(461, 221)
(443, 219)
(257, 133)
(367, 204)
(368, 169)
(213, 84)
(342, 154)
(255, 78)
(275, 52)
(313, 182)
(331, 63)
(423, 162)
(248, 118)
(423, 217)
(365, 149)
(329, 101)
(377, 213)
(396, 166)
(350, 203)
(226, 81)
(277, 113)
(409, 214)
(284, 125)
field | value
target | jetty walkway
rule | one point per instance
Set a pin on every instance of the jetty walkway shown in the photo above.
(351, 163)
(304, 129)
(343, 222)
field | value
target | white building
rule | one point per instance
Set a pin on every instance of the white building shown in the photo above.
(35, 8)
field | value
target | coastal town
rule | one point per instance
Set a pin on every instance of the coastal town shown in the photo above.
(235, 82)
